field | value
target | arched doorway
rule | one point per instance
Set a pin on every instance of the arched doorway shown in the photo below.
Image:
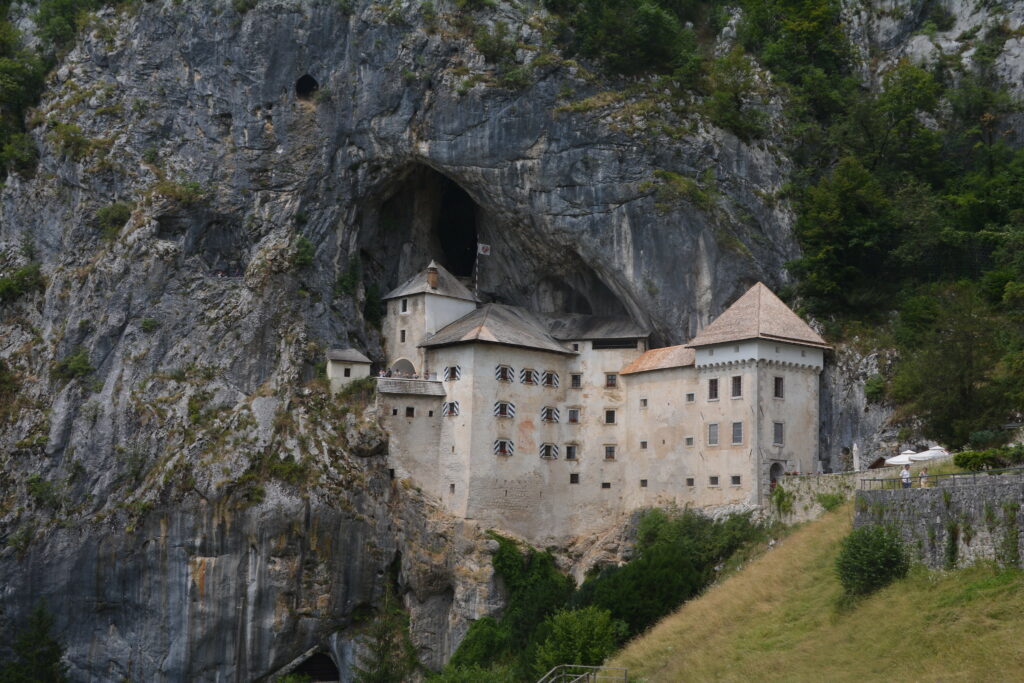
(402, 368)
(775, 473)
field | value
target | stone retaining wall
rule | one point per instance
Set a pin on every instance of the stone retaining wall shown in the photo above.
(807, 487)
(952, 525)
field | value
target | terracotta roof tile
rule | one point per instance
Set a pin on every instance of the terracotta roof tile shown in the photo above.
(661, 359)
(758, 314)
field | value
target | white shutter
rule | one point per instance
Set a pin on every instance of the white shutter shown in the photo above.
(450, 409)
(510, 409)
(549, 450)
(508, 445)
(452, 373)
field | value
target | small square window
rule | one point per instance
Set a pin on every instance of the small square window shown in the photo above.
(712, 389)
(611, 381)
(410, 411)
(737, 387)
(712, 481)
(401, 336)
(570, 452)
(394, 411)
(643, 403)
(690, 398)
(689, 481)
(550, 379)
(576, 381)
(643, 483)
(430, 413)
(689, 441)
(609, 452)
(574, 416)
(780, 387)
(609, 417)
(405, 305)
(451, 488)
(574, 478)
(503, 373)
(528, 376)
(735, 480)
(713, 434)
(643, 444)
(737, 432)
(348, 372)
(575, 346)
(606, 484)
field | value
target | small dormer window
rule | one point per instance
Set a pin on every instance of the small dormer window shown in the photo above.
(528, 376)
(503, 373)
(504, 409)
(549, 414)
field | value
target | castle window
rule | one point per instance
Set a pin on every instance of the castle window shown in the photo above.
(504, 447)
(394, 411)
(713, 434)
(528, 376)
(401, 336)
(504, 409)
(712, 481)
(611, 381)
(503, 373)
(735, 480)
(548, 451)
(643, 483)
(643, 444)
(576, 381)
(405, 305)
(575, 346)
(550, 379)
(606, 484)
(574, 416)
(690, 398)
(609, 417)
(348, 372)
(737, 432)
(410, 411)
(451, 488)
(780, 387)
(737, 387)
(777, 435)
(689, 441)
(689, 481)
(450, 408)
(574, 478)
(609, 451)
(643, 404)
(430, 413)
(453, 373)
(549, 414)
(570, 451)
(713, 389)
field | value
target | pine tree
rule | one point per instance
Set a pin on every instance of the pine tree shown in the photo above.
(391, 656)
(37, 653)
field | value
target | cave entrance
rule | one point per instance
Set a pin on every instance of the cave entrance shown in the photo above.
(456, 230)
(305, 87)
(318, 667)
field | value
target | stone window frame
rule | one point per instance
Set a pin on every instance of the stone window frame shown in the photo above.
(691, 482)
(778, 430)
(735, 480)
(735, 424)
(779, 387)
(569, 415)
(611, 380)
(615, 416)
(736, 383)
(574, 477)
(401, 336)
(549, 414)
(643, 404)
(574, 453)
(404, 307)
(691, 397)
(576, 380)
(713, 389)
(714, 481)
(504, 373)
(610, 451)
(717, 432)
(410, 411)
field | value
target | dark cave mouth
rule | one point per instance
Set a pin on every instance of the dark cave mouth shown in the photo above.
(305, 87)
(456, 229)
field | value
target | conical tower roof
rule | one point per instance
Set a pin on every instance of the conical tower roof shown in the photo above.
(447, 285)
(758, 314)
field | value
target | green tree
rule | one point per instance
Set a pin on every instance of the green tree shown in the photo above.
(390, 654)
(870, 558)
(37, 652)
(585, 636)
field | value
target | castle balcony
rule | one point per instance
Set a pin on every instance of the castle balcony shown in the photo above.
(406, 386)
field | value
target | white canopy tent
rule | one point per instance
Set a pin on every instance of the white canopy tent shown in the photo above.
(911, 457)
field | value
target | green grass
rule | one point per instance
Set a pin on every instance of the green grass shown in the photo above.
(782, 618)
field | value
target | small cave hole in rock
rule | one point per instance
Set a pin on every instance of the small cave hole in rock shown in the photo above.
(305, 87)
(319, 667)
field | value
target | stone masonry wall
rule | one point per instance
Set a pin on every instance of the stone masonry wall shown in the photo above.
(807, 487)
(954, 524)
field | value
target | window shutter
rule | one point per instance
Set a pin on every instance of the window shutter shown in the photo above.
(450, 409)
(527, 376)
(452, 373)
(548, 450)
(508, 446)
(510, 409)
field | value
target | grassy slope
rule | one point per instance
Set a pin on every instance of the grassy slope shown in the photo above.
(777, 619)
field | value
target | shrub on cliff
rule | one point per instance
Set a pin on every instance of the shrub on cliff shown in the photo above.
(22, 281)
(870, 558)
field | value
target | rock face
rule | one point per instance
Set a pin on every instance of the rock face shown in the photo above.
(187, 503)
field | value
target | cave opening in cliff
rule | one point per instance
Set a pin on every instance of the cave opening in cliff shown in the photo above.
(305, 87)
(456, 229)
(318, 667)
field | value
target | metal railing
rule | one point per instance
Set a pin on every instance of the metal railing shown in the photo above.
(577, 673)
(934, 480)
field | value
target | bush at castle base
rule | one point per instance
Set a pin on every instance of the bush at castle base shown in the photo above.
(871, 557)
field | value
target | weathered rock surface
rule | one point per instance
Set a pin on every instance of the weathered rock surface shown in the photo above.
(189, 507)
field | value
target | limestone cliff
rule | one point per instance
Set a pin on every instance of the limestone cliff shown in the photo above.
(187, 503)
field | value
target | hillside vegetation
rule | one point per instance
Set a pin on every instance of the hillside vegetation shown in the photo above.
(780, 619)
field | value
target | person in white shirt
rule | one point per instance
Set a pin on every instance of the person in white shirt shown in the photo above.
(905, 476)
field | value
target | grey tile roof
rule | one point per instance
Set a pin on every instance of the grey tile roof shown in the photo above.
(758, 314)
(447, 285)
(409, 387)
(347, 355)
(497, 324)
(568, 326)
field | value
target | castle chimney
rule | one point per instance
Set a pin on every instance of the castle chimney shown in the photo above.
(432, 277)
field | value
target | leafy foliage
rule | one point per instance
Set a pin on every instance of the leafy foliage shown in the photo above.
(26, 279)
(304, 253)
(111, 219)
(584, 636)
(390, 656)
(870, 558)
(830, 501)
(73, 365)
(37, 652)
(990, 459)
